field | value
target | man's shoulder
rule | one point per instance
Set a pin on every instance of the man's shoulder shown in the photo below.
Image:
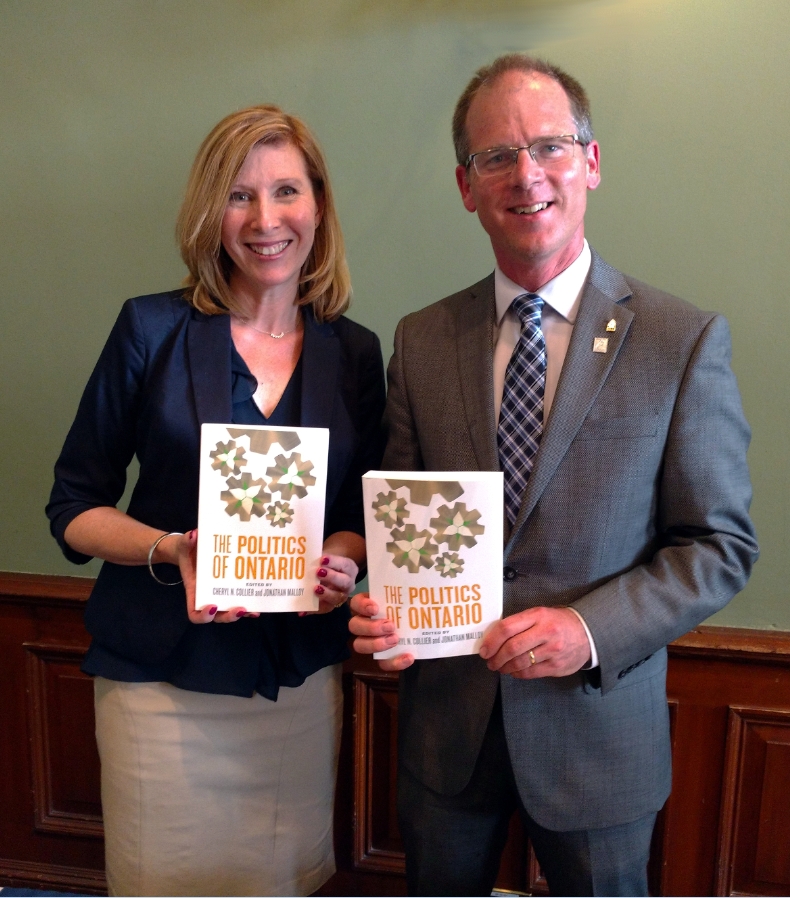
(640, 297)
(478, 296)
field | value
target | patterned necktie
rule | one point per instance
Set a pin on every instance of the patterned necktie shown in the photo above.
(521, 414)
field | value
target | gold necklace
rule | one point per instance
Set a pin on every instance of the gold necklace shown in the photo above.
(279, 336)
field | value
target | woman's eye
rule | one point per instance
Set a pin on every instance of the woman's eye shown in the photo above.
(287, 190)
(239, 196)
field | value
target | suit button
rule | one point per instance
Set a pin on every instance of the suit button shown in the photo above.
(509, 574)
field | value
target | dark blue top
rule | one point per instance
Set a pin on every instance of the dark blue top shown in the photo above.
(159, 378)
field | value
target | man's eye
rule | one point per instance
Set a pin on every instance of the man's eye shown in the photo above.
(494, 160)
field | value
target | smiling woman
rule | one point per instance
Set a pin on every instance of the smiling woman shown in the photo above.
(194, 718)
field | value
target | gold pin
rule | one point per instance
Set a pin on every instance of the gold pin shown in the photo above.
(611, 327)
(600, 344)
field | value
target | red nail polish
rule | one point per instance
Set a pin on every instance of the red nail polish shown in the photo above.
(240, 613)
(319, 590)
(213, 610)
(322, 572)
(325, 559)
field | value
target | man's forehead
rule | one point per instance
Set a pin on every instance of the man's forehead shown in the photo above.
(528, 97)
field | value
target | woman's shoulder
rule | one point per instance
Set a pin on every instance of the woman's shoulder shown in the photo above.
(354, 334)
(168, 306)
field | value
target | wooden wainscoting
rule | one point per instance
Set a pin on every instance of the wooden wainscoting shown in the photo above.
(50, 811)
(724, 831)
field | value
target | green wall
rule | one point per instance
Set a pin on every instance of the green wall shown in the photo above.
(103, 104)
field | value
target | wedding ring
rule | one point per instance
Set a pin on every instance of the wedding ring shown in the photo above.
(531, 657)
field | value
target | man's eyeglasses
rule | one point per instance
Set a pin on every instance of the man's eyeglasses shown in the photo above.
(546, 152)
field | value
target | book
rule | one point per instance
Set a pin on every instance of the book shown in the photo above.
(260, 516)
(434, 547)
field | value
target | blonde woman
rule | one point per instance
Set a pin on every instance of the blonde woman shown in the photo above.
(218, 732)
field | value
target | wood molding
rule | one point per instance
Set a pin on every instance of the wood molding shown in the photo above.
(733, 644)
(66, 799)
(754, 852)
(377, 844)
(61, 590)
(51, 877)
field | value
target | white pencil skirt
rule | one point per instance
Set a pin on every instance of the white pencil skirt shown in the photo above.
(215, 794)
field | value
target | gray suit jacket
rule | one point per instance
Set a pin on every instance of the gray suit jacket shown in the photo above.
(636, 514)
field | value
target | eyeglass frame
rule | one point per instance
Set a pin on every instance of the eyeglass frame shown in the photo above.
(470, 159)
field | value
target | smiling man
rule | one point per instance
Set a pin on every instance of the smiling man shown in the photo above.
(612, 410)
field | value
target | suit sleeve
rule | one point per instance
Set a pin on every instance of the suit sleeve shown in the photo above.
(91, 469)
(707, 543)
(403, 445)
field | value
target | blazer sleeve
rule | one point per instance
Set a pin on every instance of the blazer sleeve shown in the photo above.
(91, 469)
(346, 512)
(707, 543)
(403, 445)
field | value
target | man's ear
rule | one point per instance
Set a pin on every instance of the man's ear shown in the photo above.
(593, 154)
(462, 179)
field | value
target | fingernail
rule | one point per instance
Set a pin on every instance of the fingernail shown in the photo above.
(192, 535)
(391, 640)
(322, 572)
(319, 590)
(213, 610)
(389, 628)
(484, 651)
(240, 613)
(325, 559)
(301, 614)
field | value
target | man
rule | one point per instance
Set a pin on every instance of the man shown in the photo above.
(612, 410)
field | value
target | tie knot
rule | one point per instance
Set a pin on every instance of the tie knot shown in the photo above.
(528, 307)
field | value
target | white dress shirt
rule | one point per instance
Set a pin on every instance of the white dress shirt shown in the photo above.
(561, 297)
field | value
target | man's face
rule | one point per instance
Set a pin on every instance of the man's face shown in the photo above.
(534, 216)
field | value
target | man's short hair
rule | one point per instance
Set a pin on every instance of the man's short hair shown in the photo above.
(520, 62)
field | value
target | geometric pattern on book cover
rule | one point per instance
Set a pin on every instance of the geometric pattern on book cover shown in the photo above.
(288, 475)
(454, 526)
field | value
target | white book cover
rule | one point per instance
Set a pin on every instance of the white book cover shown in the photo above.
(434, 546)
(261, 516)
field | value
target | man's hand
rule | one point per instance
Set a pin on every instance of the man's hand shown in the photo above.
(539, 642)
(375, 635)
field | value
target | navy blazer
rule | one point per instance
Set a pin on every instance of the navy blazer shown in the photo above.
(165, 370)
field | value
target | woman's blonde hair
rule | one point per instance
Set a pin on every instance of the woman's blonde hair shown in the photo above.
(325, 283)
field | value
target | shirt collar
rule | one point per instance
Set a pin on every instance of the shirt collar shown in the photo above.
(562, 293)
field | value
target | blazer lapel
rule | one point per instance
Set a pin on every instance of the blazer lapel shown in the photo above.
(320, 371)
(584, 372)
(475, 340)
(208, 350)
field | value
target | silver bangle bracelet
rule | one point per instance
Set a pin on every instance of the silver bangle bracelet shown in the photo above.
(151, 556)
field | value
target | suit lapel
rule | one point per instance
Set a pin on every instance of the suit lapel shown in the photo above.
(474, 340)
(320, 371)
(208, 347)
(584, 372)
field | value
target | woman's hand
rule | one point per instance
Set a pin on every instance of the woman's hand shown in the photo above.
(337, 576)
(183, 550)
(375, 635)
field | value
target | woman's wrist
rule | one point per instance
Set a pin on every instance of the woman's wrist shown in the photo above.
(164, 548)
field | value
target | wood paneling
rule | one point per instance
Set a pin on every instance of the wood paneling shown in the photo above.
(50, 815)
(725, 829)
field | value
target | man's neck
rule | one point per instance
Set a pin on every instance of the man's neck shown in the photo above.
(533, 274)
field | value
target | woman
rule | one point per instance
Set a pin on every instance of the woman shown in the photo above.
(218, 732)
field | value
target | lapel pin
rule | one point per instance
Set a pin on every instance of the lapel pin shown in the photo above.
(611, 327)
(600, 344)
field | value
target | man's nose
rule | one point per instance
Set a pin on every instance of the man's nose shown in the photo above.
(526, 170)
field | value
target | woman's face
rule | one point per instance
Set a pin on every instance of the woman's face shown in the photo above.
(270, 221)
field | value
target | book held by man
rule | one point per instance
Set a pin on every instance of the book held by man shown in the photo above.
(260, 516)
(434, 546)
